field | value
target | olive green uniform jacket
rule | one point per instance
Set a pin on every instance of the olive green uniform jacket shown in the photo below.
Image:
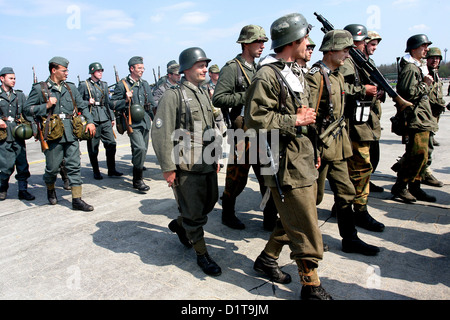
(412, 88)
(436, 95)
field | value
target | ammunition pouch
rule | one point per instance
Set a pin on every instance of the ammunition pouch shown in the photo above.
(53, 127)
(332, 132)
(437, 109)
(79, 129)
(120, 124)
(399, 123)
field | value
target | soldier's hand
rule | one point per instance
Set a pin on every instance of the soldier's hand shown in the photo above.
(170, 177)
(371, 90)
(428, 80)
(3, 124)
(319, 162)
(51, 101)
(91, 129)
(129, 95)
(305, 116)
(91, 101)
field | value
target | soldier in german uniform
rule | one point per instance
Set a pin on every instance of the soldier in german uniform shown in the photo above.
(95, 93)
(58, 99)
(414, 85)
(13, 133)
(172, 79)
(134, 93)
(277, 94)
(229, 95)
(327, 96)
(187, 111)
(361, 108)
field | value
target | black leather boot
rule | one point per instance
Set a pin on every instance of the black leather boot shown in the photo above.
(181, 233)
(4, 185)
(228, 214)
(208, 265)
(138, 182)
(111, 162)
(95, 167)
(23, 191)
(270, 215)
(78, 204)
(416, 191)
(269, 266)
(64, 176)
(51, 196)
(364, 220)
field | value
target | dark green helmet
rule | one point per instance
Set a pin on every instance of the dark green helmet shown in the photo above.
(252, 33)
(434, 52)
(416, 41)
(358, 31)
(23, 131)
(95, 66)
(137, 112)
(336, 40)
(191, 56)
(288, 28)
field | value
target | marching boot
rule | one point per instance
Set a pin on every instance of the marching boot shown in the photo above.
(416, 191)
(23, 192)
(111, 162)
(431, 180)
(138, 182)
(399, 191)
(204, 261)
(4, 185)
(269, 266)
(374, 188)
(228, 214)
(270, 215)
(311, 287)
(350, 241)
(364, 220)
(181, 233)
(64, 176)
(95, 168)
(51, 194)
(77, 203)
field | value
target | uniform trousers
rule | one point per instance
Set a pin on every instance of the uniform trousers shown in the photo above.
(360, 169)
(104, 133)
(414, 161)
(13, 155)
(139, 145)
(57, 152)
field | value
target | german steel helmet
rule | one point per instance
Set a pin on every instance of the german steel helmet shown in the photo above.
(95, 66)
(23, 131)
(373, 35)
(288, 28)
(137, 112)
(358, 31)
(191, 56)
(416, 41)
(252, 33)
(336, 40)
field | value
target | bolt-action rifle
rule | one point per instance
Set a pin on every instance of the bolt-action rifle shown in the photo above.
(40, 135)
(364, 63)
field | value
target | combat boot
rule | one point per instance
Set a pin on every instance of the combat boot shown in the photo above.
(77, 203)
(315, 293)
(399, 191)
(269, 266)
(4, 185)
(416, 191)
(111, 162)
(138, 182)
(51, 194)
(95, 167)
(228, 214)
(23, 191)
(374, 188)
(208, 265)
(64, 177)
(431, 180)
(311, 289)
(364, 220)
(181, 233)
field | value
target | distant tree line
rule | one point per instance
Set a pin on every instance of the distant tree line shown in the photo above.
(390, 70)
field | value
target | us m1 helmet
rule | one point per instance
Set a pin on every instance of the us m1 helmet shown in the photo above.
(137, 112)
(288, 28)
(191, 56)
(358, 31)
(23, 131)
(416, 41)
(95, 66)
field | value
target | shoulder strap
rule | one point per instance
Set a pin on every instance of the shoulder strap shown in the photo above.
(243, 71)
(75, 109)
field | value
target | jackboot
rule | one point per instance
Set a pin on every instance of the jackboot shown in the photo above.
(23, 191)
(181, 233)
(64, 176)
(51, 194)
(416, 191)
(311, 289)
(95, 167)
(431, 180)
(138, 182)
(4, 185)
(364, 220)
(269, 266)
(204, 261)
(77, 203)
(111, 162)
(228, 214)
(399, 191)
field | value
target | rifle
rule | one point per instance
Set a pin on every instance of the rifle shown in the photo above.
(364, 63)
(116, 74)
(39, 135)
(128, 121)
(154, 76)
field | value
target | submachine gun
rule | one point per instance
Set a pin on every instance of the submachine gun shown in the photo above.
(364, 63)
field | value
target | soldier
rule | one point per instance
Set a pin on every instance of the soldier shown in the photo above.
(437, 104)
(372, 43)
(57, 99)
(186, 110)
(95, 93)
(134, 93)
(213, 73)
(277, 94)
(13, 133)
(327, 96)
(414, 84)
(361, 111)
(229, 96)
(171, 80)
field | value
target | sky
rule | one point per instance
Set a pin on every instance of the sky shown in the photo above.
(111, 32)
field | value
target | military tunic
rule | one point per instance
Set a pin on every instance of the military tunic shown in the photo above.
(141, 130)
(67, 147)
(297, 174)
(13, 150)
(195, 165)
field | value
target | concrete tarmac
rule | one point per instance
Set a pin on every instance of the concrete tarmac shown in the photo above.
(123, 250)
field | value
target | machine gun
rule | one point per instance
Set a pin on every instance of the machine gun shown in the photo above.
(364, 63)
(40, 135)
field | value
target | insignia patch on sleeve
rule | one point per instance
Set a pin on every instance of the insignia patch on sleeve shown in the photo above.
(314, 70)
(158, 123)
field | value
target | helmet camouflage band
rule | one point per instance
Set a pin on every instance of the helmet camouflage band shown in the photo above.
(95, 66)
(416, 41)
(434, 52)
(191, 56)
(288, 28)
(358, 31)
(252, 33)
(336, 40)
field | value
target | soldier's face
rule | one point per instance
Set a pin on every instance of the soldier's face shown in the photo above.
(300, 48)
(197, 74)
(8, 80)
(214, 76)
(371, 47)
(338, 57)
(256, 48)
(433, 62)
(420, 52)
(360, 45)
(137, 70)
(61, 73)
(98, 74)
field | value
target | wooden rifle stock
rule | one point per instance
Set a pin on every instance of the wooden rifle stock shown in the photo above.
(40, 137)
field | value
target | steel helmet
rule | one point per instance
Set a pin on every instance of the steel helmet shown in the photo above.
(191, 56)
(252, 33)
(23, 131)
(95, 66)
(416, 41)
(288, 28)
(434, 52)
(137, 112)
(358, 31)
(373, 35)
(336, 40)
